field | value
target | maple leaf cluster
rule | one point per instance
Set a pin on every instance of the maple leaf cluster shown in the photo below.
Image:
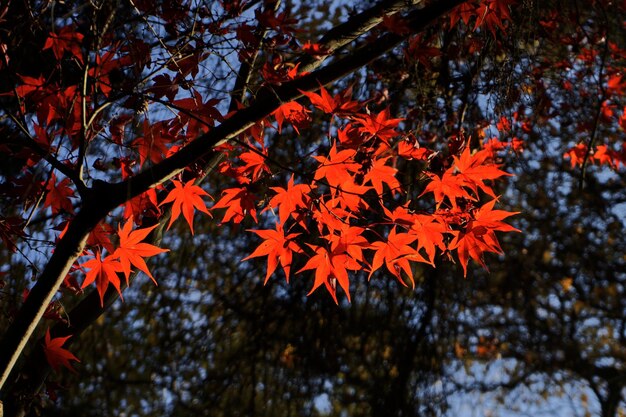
(346, 209)
(130, 252)
(347, 204)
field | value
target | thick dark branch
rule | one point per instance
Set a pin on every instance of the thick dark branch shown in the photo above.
(245, 70)
(356, 26)
(66, 252)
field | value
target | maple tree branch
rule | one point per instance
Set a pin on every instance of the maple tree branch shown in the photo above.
(51, 278)
(343, 34)
(238, 92)
(103, 197)
(82, 146)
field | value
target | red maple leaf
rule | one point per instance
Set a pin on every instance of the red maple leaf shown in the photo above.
(350, 137)
(330, 269)
(448, 185)
(29, 85)
(344, 103)
(394, 253)
(103, 272)
(58, 195)
(329, 216)
(105, 64)
(67, 39)
(151, 146)
(149, 149)
(491, 13)
(277, 247)
(463, 12)
(576, 154)
(340, 103)
(11, 228)
(615, 85)
(410, 149)
(337, 167)
(479, 235)
(348, 239)
(164, 86)
(396, 23)
(379, 125)
(493, 146)
(185, 198)
(295, 113)
(349, 195)
(429, 231)
(144, 202)
(289, 200)
(238, 202)
(204, 114)
(256, 164)
(605, 155)
(323, 101)
(420, 48)
(315, 49)
(131, 250)
(400, 216)
(56, 355)
(473, 170)
(100, 236)
(379, 174)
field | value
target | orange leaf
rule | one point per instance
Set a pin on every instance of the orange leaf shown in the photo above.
(340, 103)
(479, 235)
(131, 250)
(276, 246)
(289, 200)
(394, 253)
(336, 168)
(293, 112)
(330, 268)
(103, 272)
(323, 101)
(314, 49)
(380, 174)
(238, 202)
(185, 198)
(349, 196)
(429, 231)
(473, 170)
(448, 185)
(379, 125)
(255, 164)
(576, 154)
